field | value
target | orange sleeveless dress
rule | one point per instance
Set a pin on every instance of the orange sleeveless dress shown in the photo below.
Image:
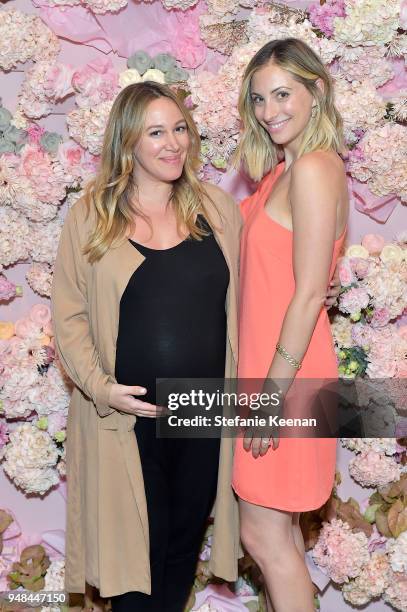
(298, 475)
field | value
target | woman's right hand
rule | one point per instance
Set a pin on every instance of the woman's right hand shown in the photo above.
(121, 397)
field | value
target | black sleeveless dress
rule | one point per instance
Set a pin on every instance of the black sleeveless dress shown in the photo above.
(172, 315)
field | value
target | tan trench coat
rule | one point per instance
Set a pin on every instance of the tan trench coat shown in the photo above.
(107, 542)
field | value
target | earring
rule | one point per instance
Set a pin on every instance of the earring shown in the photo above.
(314, 111)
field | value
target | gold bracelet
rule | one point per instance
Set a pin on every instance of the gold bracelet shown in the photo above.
(291, 360)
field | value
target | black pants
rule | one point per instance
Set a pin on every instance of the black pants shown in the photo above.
(180, 478)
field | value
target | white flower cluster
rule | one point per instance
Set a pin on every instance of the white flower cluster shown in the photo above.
(14, 232)
(379, 445)
(24, 37)
(368, 22)
(39, 278)
(44, 240)
(30, 459)
(39, 90)
(360, 106)
(265, 26)
(397, 550)
(54, 581)
(87, 125)
(383, 161)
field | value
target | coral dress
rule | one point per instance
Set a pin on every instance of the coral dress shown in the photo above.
(298, 475)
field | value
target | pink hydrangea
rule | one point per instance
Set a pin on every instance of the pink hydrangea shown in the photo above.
(87, 126)
(354, 300)
(346, 275)
(45, 83)
(322, 16)
(96, 82)
(46, 176)
(339, 552)
(3, 433)
(374, 469)
(396, 592)
(43, 241)
(366, 64)
(382, 161)
(371, 582)
(14, 233)
(7, 289)
(360, 266)
(27, 328)
(24, 37)
(39, 278)
(380, 317)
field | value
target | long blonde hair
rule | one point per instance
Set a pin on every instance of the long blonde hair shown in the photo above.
(111, 192)
(256, 150)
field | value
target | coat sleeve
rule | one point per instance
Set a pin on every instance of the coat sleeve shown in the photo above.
(69, 305)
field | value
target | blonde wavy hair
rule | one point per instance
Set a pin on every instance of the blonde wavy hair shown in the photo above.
(256, 150)
(112, 192)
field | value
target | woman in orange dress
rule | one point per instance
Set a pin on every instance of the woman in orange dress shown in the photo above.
(294, 229)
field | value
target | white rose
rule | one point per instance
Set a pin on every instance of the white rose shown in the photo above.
(154, 75)
(357, 250)
(127, 77)
(392, 252)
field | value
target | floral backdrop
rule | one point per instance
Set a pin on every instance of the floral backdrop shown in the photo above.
(51, 127)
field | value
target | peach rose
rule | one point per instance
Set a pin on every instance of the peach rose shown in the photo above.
(6, 330)
(26, 328)
(373, 243)
(40, 314)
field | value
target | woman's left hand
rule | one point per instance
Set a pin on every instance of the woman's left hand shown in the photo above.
(334, 290)
(259, 444)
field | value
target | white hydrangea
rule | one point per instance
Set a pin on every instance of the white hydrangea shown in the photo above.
(87, 125)
(14, 237)
(359, 104)
(367, 22)
(263, 27)
(44, 240)
(30, 458)
(397, 549)
(54, 581)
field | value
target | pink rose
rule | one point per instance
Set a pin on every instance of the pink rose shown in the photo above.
(402, 331)
(70, 154)
(48, 329)
(58, 81)
(34, 134)
(360, 266)
(4, 347)
(26, 328)
(40, 314)
(380, 318)
(373, 243)
(346, 275)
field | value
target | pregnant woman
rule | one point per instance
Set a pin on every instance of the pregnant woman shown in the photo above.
(145, 286)
(294, 229)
